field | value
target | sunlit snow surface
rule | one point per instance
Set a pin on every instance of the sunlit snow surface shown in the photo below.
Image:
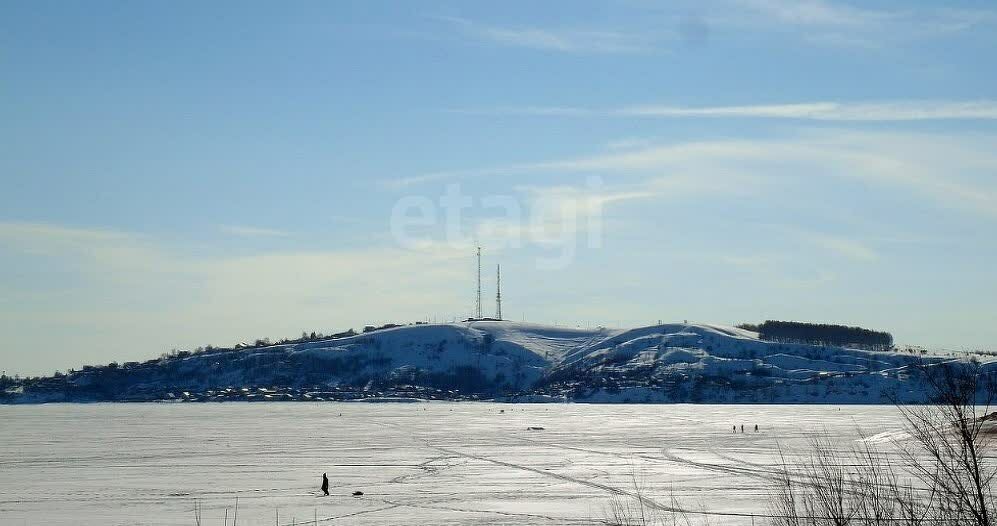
(417, 463)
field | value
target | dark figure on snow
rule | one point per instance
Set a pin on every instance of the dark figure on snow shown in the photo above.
(742, 428)
(735, 428)
(325, 484)
(756, 428)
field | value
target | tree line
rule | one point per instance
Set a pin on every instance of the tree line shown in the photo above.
(821, 334)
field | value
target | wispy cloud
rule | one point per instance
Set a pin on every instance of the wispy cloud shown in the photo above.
(749, 261)
(629, 143)
(818, 280)
(815, 12)
(554, 39)
(822, 23)
(249, 231)
(955, 172)
(916, 110)
(849, 247)
(561, 218)
(831, 111)
(841, 24)
(46, 238)
(20, 231)
(635, 159)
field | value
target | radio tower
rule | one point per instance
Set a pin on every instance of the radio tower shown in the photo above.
(477, 306)
(498, 292)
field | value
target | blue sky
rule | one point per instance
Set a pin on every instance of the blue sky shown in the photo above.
(184, 173)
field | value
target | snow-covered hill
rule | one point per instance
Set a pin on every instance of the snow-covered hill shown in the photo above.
(710, 363)
(506, 360)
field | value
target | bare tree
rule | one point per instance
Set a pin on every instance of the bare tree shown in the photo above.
(830, 487)
(953, 458)
(945, 478)
(634, 507)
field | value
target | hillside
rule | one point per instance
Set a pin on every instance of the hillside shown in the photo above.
(505, 361)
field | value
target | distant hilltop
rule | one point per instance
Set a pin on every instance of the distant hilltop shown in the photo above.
(774, 362)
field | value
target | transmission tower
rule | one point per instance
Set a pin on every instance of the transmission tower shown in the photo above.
(477, 305)
(498, 292)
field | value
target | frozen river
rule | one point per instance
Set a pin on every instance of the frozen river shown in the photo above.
(418, 463)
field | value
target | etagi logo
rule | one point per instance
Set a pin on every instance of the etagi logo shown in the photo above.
(554, 219)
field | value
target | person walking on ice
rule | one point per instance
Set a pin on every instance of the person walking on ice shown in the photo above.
(325, 484)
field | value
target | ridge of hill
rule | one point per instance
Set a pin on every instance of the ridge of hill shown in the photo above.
(509, 361)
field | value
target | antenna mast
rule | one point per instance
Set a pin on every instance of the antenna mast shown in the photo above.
(498, 292)
(477, 307)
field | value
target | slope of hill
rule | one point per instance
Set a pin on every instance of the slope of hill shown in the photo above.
(709, 363)
(508, 361)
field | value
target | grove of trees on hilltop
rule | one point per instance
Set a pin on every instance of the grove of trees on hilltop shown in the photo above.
(823, 334)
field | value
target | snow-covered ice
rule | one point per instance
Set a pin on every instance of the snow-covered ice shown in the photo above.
(420, 463)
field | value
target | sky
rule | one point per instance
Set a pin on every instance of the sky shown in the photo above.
(177, 174)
